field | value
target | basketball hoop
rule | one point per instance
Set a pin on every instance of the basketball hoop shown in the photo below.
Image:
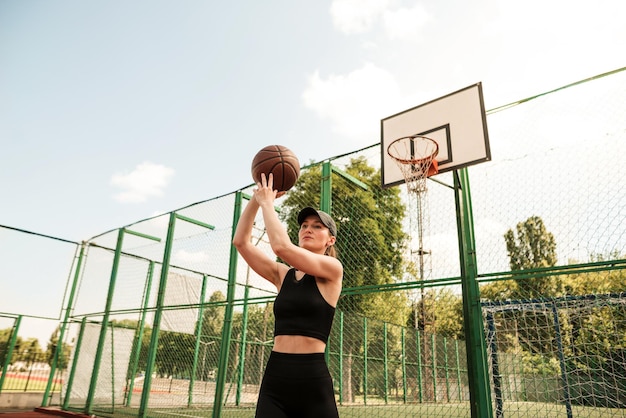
(415, 157)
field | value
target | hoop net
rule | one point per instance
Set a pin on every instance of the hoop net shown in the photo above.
(415, 157)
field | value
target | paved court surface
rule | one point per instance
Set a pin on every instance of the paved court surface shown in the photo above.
(40, 413)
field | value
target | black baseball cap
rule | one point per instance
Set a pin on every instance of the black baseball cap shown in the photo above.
(324, 217)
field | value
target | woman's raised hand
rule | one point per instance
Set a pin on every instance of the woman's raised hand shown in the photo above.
(264, 191)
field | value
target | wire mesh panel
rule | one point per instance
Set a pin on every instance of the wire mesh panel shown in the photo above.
(169, 320)
(564, 353)
(544, 247)
(35, 271)
(397, 346)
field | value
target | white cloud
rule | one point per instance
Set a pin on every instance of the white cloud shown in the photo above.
(146, 180)
(406, 24)
(356, 16)
(359, 16)
(354, 103)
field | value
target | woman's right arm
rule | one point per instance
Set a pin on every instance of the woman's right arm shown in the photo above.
(258, 261)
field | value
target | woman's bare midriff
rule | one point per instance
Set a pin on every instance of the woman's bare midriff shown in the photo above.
(298, 344)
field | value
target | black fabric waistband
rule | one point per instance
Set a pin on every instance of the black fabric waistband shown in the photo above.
(310, 365)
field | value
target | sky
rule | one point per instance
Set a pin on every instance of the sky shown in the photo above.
(116, 111)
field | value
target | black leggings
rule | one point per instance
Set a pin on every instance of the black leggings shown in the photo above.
(296, 385)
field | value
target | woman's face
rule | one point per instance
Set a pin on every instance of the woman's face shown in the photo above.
(314, 235)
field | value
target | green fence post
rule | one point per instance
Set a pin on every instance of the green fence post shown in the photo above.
(559, 343)
(340, 357)
(445, 362)
(458, 368)
(433, 356)
(196, 350)
(477, 366)
(385, 364)
(10, 347)
(113, 368)
(326, 186)
(105, 317)
(158, 313)
(365, 360)
(58, 351)
(242, 347)
(227, 328)
(70, 378)
(103, 327)
(418, 344)
(404, 383)
(140, 329)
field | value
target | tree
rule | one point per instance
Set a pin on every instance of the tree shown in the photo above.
(370, 245)
(64, 354)
(175, 354)
(533, 247)
(5, 336)
(530, 246)
(258, 335)
(591, 330)
(597, 282)
(143, 346)
(28, 350)
(596, 332)
(437, 315)
(371, 240)
(211, 334)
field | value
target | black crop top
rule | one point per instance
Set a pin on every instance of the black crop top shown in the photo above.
(300, 308)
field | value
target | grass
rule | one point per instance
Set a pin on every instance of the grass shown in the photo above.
(458, 410)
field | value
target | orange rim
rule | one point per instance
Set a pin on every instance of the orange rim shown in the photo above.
(413, 160)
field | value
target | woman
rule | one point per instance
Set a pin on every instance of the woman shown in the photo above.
(296, 382)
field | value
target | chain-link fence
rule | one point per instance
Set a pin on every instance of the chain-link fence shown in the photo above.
(167, 319)
(34, 272)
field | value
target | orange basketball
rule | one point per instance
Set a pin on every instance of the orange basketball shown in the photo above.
(281, 162)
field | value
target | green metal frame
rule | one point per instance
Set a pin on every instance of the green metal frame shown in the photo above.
(140, 329)
(10, 348)
(196, 349)
(476, 351)
(420, 380)
(478, 375)
(158, 313)
(227, 328)
(365, 360)
(66, 319)
(89, 403)
(70, 378)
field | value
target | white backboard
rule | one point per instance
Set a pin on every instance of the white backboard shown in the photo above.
(457, 122)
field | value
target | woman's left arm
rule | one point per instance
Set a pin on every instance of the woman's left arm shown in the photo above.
(318, 265)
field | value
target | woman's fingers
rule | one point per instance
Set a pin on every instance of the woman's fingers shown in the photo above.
(267, 181)
(264, 189)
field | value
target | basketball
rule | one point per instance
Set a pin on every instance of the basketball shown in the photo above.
(281, 162)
